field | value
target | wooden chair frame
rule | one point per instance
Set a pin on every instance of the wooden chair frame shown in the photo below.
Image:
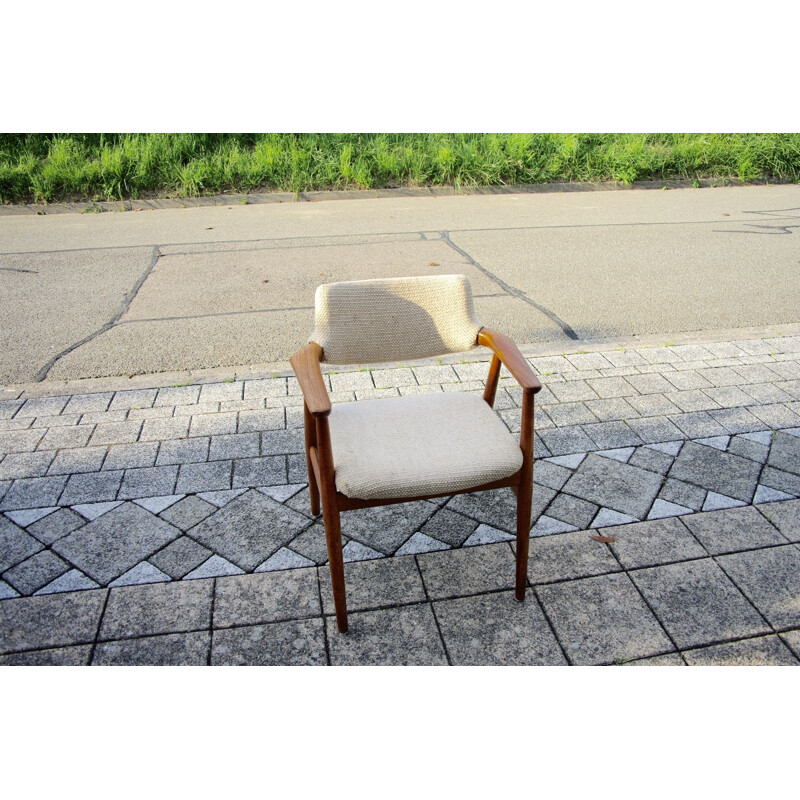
(321, 472)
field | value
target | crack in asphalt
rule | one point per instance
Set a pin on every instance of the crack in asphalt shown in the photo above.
(518, 293)
(123, 307)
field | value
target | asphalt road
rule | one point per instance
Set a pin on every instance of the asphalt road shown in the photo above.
(102, 295)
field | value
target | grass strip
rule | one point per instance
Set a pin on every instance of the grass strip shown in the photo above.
(48, 167)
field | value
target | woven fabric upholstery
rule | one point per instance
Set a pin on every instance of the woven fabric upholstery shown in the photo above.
(419, 445)
(394, 319)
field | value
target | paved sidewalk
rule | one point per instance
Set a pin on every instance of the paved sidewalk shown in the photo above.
(172, 525)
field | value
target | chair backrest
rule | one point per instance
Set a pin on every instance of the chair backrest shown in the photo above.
(394, 319)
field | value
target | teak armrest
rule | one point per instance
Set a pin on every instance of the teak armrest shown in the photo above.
(305, 363)
(508, 352)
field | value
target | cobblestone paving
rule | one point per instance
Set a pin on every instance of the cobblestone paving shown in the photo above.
(166, 499)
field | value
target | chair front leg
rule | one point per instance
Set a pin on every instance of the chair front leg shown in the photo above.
(330, 516)
(524, 494)
(311, 441)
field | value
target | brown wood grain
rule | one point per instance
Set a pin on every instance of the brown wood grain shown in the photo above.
(507, 351)
(305, 363)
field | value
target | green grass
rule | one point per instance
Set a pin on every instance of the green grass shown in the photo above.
(51, 167)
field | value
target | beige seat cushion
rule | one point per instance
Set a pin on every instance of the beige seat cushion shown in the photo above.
(419, 445)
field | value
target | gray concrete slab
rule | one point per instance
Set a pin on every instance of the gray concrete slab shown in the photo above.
(599, 264)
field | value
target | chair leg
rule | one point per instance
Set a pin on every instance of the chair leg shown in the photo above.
(333, 538)
(311, 441)
(524, 498)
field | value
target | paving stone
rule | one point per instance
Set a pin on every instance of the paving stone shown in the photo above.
(71, 581)
(546, 526)
(612, 435)
(405, 635)
(565, 414)
(73, 436)
(32, 493)
(177, 395)
(140, 574)
(188, 512)
(655, 429)
(25, 465)
(607, 516)
(220, 499)
(116, 433)
(214, 424)
(766, 495)
(183, 451)
(782, 481)
(662, 509)
(565, 556)
(36, 572)
(668, 660)
(253, 472)
(792, 639)
(733, 529)
(43, 406)
(386, 528)
(270, 387)
(737, 420)
(311, 543)
(719, 472)
(131, 456)
(497, 507)
(261, 525)
(421, 543)
(133, 398)
(77, 656)
(7, 591)
(284, 559)
(728, 396)
(765, 393)
(761, 651)
(454, 573)
(716, 502)
(770, 578)
(784, 453)
(652, 460)
(646, 544)
(355, 551)
(116, 541)
(201, 409)
(658, 384)
(148, 482)
(296, 643)
(270, 420)
(30, 623)
(237, 445)
(602, 619)
(282, 442)
(572, 510)
(172, 649)
(608, 483)
(103, 417)
(486, 534)
(697, 424)
(24, 441)
(612, 387)
(92, 511)
(204, 477)
(651, 405)
(160, 412)
(611, 409)
(776, 416)
(739, 446)
(281, 493)
(157, 608)
(573, 391)
(215, 567)
(550, 475)
(91, 487)
(266, 597)
(449, 527)
(15, 544)
(496, 630)
(217, 392)
(84, 403)
(684, 494)
(168, 428)
(155, 505)
(565, 441)
(180, 557)
(698, 604)
(69, 462)
(27, 517)
(785, 517)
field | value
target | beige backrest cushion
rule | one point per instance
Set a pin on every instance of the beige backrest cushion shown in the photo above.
(394, 319)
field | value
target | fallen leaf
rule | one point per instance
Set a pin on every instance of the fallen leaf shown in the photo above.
(604, 539)
(210, 229)
(433, 264)
(726, 215)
